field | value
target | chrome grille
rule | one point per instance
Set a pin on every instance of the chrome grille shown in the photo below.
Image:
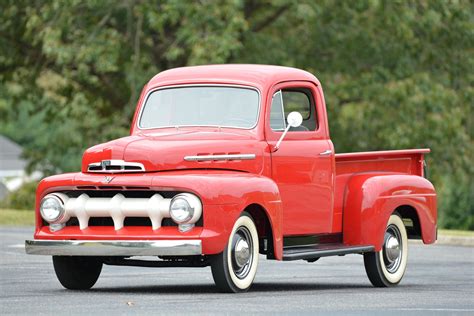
(135, 194)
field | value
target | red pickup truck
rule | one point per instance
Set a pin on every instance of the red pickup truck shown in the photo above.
(224, 163)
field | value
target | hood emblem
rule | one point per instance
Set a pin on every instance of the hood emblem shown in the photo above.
(105, 163)
(108, 179)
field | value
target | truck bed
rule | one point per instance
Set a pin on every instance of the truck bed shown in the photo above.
(408, 161)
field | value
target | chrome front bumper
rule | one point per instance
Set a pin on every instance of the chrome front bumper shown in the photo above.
(113, 247)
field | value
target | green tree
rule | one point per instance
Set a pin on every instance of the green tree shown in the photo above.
(396, 74)
(71, 71)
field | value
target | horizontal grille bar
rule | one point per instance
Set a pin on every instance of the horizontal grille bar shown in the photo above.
(128, 222)
(100, 192)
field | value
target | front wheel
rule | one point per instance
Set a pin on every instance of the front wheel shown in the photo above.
(234, 269)
(387, 267)
(77, 273)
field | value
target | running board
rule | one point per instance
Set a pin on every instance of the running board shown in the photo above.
(317, 251)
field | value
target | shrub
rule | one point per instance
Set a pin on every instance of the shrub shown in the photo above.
(22, 198)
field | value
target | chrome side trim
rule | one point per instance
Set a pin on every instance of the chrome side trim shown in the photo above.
(220, 157)
(107, 166)
(113, 248)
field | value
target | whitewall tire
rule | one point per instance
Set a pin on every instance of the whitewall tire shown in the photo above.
(387, 266)
(234, 269)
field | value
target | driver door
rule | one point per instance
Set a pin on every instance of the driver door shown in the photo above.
(303, 166)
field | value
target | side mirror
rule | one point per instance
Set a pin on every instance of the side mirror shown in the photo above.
(294, 119)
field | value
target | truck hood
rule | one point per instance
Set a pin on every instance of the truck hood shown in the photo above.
(167, 151)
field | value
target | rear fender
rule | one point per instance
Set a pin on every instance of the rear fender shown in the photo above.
(370, 199)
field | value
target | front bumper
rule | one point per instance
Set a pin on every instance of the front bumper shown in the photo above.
(104, 248)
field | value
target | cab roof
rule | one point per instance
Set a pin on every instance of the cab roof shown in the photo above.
(260, 76)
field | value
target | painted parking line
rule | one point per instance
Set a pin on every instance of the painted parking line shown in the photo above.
(436, 309)
(16, 246)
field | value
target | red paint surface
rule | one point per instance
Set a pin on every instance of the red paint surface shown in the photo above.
(300, 191)
(304, 178)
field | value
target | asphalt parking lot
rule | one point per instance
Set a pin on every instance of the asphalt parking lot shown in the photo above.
(439, 280)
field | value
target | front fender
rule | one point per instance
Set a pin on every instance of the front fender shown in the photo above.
(224, 197)
(370, 199)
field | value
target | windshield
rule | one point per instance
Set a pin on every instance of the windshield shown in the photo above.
(201, 106)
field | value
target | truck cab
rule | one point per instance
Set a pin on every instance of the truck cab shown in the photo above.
(225, 163)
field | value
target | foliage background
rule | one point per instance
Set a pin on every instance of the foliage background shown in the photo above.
(396, 74)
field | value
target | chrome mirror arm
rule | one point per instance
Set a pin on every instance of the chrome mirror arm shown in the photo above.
(294, 120)
(277, 146)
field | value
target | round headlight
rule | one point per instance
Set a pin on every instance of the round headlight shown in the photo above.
(180, 210)
(185, 208)
(51, 208)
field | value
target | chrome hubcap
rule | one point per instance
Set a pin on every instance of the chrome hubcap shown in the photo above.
(242, 252)
(392, 249)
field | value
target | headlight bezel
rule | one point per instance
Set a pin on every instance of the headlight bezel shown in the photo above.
(61, 213)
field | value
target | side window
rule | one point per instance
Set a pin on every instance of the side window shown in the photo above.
(288, 100)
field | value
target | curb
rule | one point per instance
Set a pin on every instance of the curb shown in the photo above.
(455, 240)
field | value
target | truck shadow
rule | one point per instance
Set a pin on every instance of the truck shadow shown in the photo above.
(210, 288)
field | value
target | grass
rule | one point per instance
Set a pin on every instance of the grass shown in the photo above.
(456, 233)
(16, 217)
(27, 218)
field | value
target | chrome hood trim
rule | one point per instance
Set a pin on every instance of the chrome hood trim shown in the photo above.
(220, 157)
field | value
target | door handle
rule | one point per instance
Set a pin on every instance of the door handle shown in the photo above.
(326, 152)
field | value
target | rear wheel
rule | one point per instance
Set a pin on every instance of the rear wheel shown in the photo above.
(77, 273)
(234, 269)
(387, 267)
